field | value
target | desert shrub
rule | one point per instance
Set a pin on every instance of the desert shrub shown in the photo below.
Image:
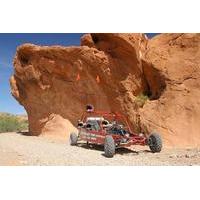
(11, 123)
(141, 99)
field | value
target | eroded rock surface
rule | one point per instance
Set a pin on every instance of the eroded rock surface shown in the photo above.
(175, 111)
(59, 81)
(54, 83)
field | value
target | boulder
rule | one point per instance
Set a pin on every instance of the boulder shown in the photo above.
(59, 81)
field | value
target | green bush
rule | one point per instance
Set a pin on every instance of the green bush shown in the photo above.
(11, 123)
(141, 99)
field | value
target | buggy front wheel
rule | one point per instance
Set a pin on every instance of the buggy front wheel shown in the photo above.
(155, 142)
(73, 139)
(109, 146)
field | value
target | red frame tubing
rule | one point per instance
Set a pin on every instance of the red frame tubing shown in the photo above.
(98, 137)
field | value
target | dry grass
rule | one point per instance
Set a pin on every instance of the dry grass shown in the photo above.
(10, 123)
(141, 100)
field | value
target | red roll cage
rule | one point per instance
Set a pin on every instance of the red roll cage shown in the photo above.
(111, 116)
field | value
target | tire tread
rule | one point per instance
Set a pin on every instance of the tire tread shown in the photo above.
(157, 145)
(109, 146)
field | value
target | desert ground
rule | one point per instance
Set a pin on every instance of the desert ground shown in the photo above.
(17, 149)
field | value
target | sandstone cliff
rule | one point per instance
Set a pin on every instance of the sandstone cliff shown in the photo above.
(111, 71)
(175, 109)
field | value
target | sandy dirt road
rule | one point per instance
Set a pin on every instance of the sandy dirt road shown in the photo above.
(17, 149)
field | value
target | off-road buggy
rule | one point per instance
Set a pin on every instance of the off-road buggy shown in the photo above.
(111, 130)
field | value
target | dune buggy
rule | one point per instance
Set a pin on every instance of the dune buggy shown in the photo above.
(111, 130)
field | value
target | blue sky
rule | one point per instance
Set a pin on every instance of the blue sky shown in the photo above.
(8, 45)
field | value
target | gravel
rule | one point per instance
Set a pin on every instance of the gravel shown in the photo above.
(17, 149)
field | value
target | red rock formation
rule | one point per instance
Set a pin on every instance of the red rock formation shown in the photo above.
(110, 71)
(175, 111)
(59, 81)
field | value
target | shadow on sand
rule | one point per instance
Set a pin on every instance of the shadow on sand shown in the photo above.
(26, 133)
(120, 151)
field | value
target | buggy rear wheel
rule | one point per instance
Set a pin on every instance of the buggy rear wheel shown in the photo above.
(109, 146)
(155, 142)
(73, 139)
